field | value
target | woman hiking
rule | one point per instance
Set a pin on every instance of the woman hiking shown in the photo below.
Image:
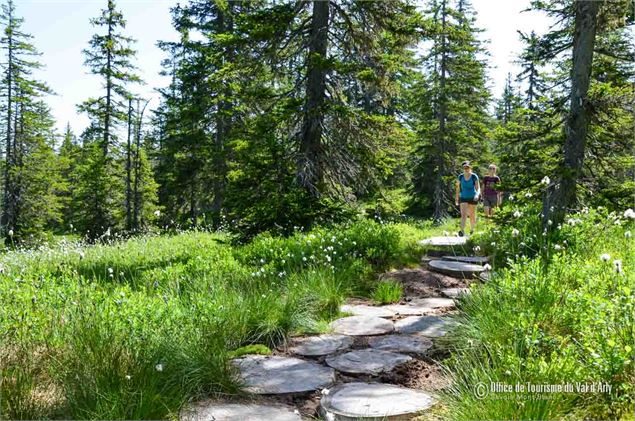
(467, 194)
(491, 196)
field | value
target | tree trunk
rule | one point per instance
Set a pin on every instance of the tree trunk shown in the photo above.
(6, 202)
(440, 187)
(310, 171)
(108, 84)
(129, 169)
(137, 167)
(223, 119)
(562, 195)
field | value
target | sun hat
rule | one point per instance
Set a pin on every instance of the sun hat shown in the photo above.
(466, 164)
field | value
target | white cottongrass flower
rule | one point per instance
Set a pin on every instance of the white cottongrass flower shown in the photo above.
(515, 232)
(10, 233)
(487, 266)
(517, 214)
(128, 376)
(477, 248)
(304, 258)
(629, 213)
(550, 222)
(617, 222)
(528, 195)
(493, 244)
(545, 181)
(110, 271)
(328, 258)
(159, 367)
(605, 257)
(157, 213)
(627, 234)
(618, 265)
(557, 247)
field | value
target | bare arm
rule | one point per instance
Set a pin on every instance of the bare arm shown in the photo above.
(458, 190)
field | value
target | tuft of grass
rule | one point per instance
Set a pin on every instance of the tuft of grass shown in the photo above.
(388, 292)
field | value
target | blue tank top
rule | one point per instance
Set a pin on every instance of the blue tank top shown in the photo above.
(468, 187)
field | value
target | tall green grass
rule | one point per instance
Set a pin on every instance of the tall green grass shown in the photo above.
(561, 311)
(132, 330)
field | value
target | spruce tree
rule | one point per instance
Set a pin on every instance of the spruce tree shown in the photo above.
(109, 56)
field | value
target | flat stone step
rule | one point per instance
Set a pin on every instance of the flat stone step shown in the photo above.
(431, 326)
(362, 326)
(410, 344)
(219, 411)
(315, 346)
(373, 401)
(366, 310)
(455, 292)
(456, 269)
(367, 361)
(419, 306)
(274, 374)
(477, 260)
(444, 241)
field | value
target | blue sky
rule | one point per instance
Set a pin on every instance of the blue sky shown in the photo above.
(61, 30)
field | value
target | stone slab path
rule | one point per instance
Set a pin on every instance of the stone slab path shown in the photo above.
(275, 374)
(365, 310)
(219, 411)
(316, 346)
(367, 361)
(362, 326)
(455, 292)
(444, 241)
(410, 344)
(420, 306)
(456, 269)
(374, 344)
(477, 260)
(431, 326)
(373, 401)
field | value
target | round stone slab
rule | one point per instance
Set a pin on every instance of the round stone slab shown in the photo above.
(218, 411)
(273, 374)
(456, 269)
(418, 306)
(444, 241)
(314, 346)
(477, 260)
(401, 343)
(455, 292)
(432, 326)
(373, 401)
(362, 326)
(364, 310)
(367, 361)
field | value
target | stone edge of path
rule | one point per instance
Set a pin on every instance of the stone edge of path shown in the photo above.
(330, 413)
(248, 367)
(367, 310)
(455, 269)
(229, 411)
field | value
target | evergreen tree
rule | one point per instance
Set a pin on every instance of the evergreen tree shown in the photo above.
(110, 57)
(454, 126)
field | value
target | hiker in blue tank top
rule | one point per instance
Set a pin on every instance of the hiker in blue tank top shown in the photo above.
(468, 191)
